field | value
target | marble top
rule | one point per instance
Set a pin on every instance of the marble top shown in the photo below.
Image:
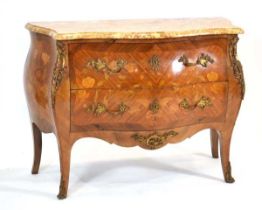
(134, 29)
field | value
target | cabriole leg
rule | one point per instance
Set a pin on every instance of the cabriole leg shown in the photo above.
(64, 155)
(214, 143)
(37, 139)
(225, 140)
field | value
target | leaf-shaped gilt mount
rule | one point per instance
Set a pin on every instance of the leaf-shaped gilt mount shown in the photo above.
(236, 65)
(154, 140)
(58, 71)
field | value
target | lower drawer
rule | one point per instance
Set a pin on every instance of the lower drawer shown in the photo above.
(147, 109)
(104, 109)
(189, 105)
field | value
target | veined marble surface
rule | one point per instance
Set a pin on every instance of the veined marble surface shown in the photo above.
(134, 29)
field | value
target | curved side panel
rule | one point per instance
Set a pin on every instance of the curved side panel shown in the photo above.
(37, 79)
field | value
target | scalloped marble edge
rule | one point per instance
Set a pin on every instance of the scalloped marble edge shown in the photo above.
(131, 35)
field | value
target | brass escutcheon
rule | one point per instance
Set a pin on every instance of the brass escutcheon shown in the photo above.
(154, 106)
(154, 62)
(204, 102)
(184, 104)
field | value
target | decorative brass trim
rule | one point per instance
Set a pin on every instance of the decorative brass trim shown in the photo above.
(228, 175)
(100, 65)
(236, 65)
(202, 60)
(154, 106)
(58, 71)
(202, 103)
(62, 190)
(100, 108)
(154, 140)
(154, 62)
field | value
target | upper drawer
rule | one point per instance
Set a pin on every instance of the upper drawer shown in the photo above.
(147, 65)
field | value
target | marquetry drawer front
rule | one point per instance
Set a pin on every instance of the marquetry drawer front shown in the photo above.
(191, 104)
(145, 109)
(111, 110)
(147, 65)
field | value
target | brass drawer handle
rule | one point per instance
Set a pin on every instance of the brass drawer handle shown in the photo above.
(202, 60)
(202, 103)
(100, 65)
(154, 140)
(100, 108)
(154, 106)
(154, 63)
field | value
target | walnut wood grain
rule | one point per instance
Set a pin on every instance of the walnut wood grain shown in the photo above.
(57, 100)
